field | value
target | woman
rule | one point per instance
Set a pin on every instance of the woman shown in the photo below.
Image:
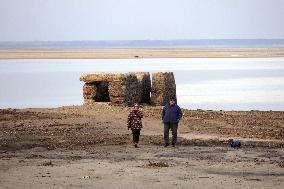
(134, 123)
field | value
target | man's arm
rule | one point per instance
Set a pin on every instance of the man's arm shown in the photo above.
(179, 113)
(163, 112)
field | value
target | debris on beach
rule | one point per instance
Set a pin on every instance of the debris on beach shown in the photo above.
(156, 164)
(234, 143)
(47, 163)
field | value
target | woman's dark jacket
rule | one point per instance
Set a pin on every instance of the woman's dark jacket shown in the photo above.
(134, 119)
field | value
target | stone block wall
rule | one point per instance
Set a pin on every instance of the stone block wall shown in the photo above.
(163, 87)
(128, 88)
(117, 89)
(89, 92)
(144, 86)
(131, 89)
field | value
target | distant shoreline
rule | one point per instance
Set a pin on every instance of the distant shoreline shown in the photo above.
(141, 53)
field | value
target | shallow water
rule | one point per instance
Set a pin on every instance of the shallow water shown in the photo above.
(205, 83)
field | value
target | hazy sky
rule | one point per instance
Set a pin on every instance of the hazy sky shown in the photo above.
(22, 20)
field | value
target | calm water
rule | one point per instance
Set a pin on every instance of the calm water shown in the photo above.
(205, 83)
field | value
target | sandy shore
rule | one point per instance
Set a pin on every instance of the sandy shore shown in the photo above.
(143, 53)
(90, 147)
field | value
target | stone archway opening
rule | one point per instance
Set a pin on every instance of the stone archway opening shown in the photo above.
(102, 91)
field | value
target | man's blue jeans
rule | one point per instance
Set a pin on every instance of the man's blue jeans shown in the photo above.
(173, 127)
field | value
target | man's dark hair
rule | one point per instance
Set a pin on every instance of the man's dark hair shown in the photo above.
(173, 98)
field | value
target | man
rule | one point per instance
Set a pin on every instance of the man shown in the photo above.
(171, 115)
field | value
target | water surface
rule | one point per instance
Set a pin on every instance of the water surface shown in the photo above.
(205, 83)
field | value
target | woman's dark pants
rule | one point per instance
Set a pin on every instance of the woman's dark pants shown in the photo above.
(173, 127)
(136, 134)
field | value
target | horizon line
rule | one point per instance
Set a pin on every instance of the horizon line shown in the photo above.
(101, 40)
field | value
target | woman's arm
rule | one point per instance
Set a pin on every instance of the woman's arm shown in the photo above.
(129, 120)
(140, 114)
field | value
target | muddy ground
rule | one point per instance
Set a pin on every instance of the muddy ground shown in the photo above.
(90, 147)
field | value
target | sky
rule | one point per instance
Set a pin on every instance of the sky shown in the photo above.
(62, 20)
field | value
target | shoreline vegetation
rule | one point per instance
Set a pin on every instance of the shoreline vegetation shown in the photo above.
(141, 53)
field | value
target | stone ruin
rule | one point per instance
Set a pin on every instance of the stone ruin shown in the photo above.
(163, 87)
(128, 88)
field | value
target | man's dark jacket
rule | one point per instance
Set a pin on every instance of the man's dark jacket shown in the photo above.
(171, 113)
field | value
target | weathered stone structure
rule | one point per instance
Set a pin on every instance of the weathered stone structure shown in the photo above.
(163, 87)
(144, 86)
(128, 88)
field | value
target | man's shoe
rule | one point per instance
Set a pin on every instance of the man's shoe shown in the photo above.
(166, 145)
(173, 145)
